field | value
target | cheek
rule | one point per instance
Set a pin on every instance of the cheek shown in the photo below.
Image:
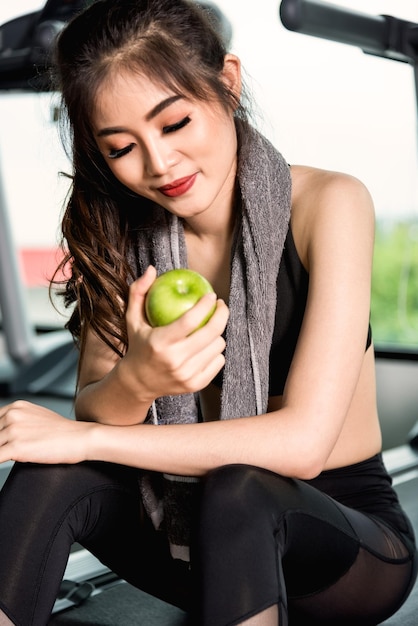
(126, 172)
(207, 147)
(221, 140)
(223, 152)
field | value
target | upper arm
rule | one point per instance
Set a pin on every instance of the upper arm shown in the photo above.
(97, 361)
(333, 226)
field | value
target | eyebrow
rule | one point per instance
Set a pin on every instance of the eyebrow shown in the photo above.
(105, 132)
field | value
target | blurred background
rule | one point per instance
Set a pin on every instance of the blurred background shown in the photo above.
(321, 103)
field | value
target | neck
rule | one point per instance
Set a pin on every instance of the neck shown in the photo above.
(209, 245)
(216, 224)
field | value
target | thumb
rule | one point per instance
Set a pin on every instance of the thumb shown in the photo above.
(137, 293)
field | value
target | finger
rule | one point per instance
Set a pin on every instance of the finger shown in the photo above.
(137, 292)
(4, 445)
(214, 327)
(193, 319)
(14, 410)
(210, 360)
(203, 348)
(4, 409)
(5, 412)
(202, 368)
(219, 319)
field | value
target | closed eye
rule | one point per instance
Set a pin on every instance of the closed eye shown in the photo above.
(116, 154)
(173, 127)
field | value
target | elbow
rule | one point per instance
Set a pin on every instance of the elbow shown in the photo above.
(309, 471)
(306, 449)
(297, 467)
(306, 471)
(308, 463)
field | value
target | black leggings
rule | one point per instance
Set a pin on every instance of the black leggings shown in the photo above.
(261, 540)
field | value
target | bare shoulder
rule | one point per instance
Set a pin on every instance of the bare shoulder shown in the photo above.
(325, 199)
(313, 187)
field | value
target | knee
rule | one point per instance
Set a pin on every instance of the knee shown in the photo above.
(58, 484)
(240, 491)
(237, 492)
(230, 482)
(37, 479)
(240, 506)
(71, 498)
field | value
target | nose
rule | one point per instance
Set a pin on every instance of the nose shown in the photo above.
(158, 158)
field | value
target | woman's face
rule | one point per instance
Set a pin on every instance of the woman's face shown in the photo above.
(178, 152)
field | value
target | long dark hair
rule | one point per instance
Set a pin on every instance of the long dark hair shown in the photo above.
(175, 44)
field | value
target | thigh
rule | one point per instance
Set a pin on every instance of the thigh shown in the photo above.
(373, 586)
(255, 540)
(268, 539)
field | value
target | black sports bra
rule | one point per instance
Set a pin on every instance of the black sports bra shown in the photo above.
(292, 293)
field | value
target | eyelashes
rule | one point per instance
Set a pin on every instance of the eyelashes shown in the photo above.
(117, 154)
(173, 127)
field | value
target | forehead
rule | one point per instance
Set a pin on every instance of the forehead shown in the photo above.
(125, 94)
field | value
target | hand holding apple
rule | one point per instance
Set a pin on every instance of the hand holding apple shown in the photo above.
(173, 293)
(172, 359)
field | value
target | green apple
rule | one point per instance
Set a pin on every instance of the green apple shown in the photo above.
(173, 293)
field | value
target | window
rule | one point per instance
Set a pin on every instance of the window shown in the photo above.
(330, 105)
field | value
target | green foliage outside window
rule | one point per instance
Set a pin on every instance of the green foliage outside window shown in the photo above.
(395, 285)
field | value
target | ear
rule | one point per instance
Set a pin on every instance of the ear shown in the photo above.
(231, 74)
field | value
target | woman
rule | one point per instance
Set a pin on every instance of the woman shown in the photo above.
(288, 512)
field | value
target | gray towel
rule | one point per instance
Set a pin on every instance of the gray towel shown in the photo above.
(265, 185)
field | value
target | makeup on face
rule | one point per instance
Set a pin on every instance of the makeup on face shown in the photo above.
(178, 187)
(178, 152)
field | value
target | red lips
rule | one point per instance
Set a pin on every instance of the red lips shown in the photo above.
(178, 187)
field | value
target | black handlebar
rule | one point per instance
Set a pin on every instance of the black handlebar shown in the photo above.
(380, 35)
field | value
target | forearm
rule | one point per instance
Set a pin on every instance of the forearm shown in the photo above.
(116, 399)
(195, 449)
